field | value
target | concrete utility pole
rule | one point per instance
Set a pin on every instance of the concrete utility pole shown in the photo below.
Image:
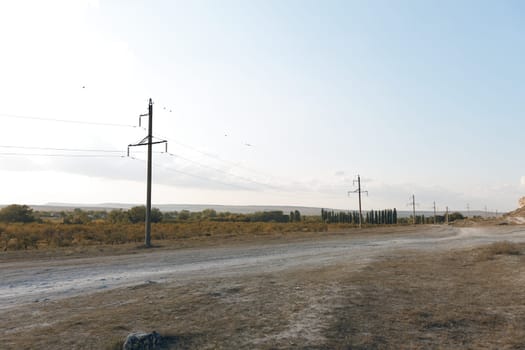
(468, 210)
(147, 238)
(434, 212)
(414, 208)
(446, 216)
(359, 191)
(148, 140)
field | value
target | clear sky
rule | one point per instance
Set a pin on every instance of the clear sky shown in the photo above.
(264, 102)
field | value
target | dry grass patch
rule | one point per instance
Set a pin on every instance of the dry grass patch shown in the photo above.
(450, 300)
(499, 248)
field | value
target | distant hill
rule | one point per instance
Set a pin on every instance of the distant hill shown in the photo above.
(240, 209)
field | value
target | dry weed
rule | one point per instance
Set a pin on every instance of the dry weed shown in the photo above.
(499, 248)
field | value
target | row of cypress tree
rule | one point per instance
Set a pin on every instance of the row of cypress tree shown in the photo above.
(375, 217)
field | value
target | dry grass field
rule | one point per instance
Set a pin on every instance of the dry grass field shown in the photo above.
(454, 299)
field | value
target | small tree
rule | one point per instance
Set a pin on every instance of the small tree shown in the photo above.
(138, 214)
(77, 216)
(455, 216)
(118, 216)
(208, 213)
(156, 215)
(183, 215)
(17, 213)
(394, 216)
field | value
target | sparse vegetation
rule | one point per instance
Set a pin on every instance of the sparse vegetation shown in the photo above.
(499, 248)
(18, 236)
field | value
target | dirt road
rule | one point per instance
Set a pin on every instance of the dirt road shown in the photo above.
(388, 288)
(24, 282)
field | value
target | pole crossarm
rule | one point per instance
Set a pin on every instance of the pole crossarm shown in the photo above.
(145, 142)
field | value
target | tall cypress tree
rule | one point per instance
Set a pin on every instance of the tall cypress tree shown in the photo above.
(394, 217)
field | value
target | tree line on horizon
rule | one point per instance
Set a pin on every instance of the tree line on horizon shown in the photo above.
(137, 214)
(25, 214)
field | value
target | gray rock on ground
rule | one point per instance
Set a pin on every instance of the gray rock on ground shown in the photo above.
(143, 341)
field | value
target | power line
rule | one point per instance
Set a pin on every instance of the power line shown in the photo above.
(62, 149)
(210, 155)
(224, 161)
(115, 151)
(220, 170)
(190, 174)
(60, 155)
(56, 120)
(84, 122)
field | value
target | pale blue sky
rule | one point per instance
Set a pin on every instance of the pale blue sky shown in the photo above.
(419, 97)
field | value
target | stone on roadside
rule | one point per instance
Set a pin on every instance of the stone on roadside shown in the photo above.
(143, 341)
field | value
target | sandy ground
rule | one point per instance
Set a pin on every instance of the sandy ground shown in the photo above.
(279, 294)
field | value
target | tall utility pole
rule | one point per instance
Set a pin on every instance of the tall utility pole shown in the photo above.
(446, 216)
(148, 140)
(434, 212)
(468, 210)
(359, 192)
(414, 208)
(147, 237)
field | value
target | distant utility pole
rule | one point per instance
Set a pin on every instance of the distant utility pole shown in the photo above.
(446, 216)
(414, 208)
(148, 140)
(468, 210)
(413, 203)
(434, 212)
(359, 191)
